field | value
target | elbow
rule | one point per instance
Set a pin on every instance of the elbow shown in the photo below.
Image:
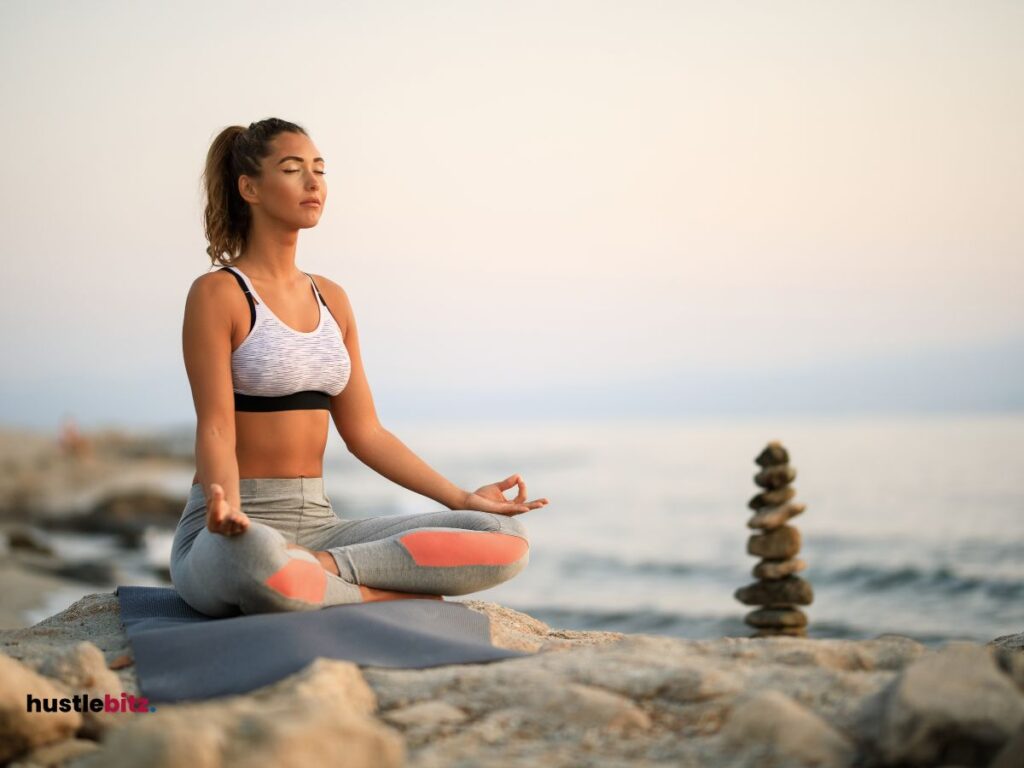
(357, 440)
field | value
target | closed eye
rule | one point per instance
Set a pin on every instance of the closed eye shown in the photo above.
(295, 170)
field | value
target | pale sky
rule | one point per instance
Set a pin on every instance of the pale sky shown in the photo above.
(529, 202)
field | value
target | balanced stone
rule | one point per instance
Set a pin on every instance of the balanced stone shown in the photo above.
(772, 498)
(779, 544)
(773, 517)
(773, 618)
(777, 569)
(787, 591)
(773, 454)
(775, 476)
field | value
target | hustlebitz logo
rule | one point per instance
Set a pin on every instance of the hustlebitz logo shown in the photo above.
(83, 702)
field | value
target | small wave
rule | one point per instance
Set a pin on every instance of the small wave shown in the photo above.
(699, 627)
(944, 579)
(579, 563)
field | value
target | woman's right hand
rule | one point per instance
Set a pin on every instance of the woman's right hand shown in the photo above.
(221, 517)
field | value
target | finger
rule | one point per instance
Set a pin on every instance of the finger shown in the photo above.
(217, 491)
(509, 481)
(521, 496)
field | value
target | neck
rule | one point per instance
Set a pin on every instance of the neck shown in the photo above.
(270, 254)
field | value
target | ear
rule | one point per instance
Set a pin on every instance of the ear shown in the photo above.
(247, 189)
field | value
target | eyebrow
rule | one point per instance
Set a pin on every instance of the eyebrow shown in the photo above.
(296, 157)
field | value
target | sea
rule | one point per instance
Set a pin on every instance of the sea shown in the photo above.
(914, 524)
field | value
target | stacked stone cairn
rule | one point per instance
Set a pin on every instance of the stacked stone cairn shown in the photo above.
(778, 591)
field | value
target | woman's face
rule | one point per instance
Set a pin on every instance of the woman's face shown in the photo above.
(292, 174)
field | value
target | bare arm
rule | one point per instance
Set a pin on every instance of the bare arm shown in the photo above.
(206, 344)
(356, 419)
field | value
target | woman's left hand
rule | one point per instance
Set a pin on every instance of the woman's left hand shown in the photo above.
(490, 498)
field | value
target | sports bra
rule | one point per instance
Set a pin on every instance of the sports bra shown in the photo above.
(277, 368)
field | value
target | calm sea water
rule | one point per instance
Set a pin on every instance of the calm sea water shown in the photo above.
(914, 525)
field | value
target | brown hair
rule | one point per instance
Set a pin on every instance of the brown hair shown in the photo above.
(234, 152)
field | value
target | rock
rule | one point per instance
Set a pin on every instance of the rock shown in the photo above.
(126, 512)
(1010, 642)
(772, 618)
(82, 668)
(781, 632)
(772, 454)
(789, 590)
(776, 476)
(100, 573)
(778, 544)
(776, 569)
(585, 697)
(1010, 755)
(21, 729)
(952, 706)
(426, 714)
(320, 716)
(774, 730)
(1011, 662)
(775, 517)
(55, 755)
(772, 498)
(28, 538)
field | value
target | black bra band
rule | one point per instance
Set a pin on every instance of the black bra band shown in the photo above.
(297, 401)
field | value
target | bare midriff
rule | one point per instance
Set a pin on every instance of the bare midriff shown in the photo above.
(280, 443)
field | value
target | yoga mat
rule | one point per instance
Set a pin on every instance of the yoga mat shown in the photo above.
(181, 654)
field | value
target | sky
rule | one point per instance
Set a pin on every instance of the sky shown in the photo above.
(538, 209)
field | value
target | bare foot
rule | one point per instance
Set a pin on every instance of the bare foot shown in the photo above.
(370, 594)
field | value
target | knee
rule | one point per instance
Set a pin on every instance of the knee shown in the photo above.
(254, 571)
(513, 526)
(273, 577)
(498, 523)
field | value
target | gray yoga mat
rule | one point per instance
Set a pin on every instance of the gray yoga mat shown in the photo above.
(181, 654)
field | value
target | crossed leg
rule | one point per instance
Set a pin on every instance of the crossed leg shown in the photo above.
(370, 594)
(426, 555)
(448, 552)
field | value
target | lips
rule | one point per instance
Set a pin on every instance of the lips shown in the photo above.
(312, 201)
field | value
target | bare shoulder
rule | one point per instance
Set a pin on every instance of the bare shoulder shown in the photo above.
(211, 284)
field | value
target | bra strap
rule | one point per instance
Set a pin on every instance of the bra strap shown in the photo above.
(248, 295)
(319, 295)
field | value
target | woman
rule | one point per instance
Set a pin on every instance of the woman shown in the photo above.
(270, 351)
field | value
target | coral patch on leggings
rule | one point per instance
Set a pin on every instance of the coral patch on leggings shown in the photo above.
(301, 580)
(453, 548)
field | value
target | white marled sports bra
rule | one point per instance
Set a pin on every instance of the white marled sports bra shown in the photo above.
(277, 368)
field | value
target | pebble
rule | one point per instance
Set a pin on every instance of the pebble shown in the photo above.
(779, 544)
(773, 517)
(772, 498)
(776, 569)
(790, 590)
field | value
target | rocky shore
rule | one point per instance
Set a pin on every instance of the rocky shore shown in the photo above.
(587, 698)
(106, 487)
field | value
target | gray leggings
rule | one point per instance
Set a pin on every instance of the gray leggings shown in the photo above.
(449, 552)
